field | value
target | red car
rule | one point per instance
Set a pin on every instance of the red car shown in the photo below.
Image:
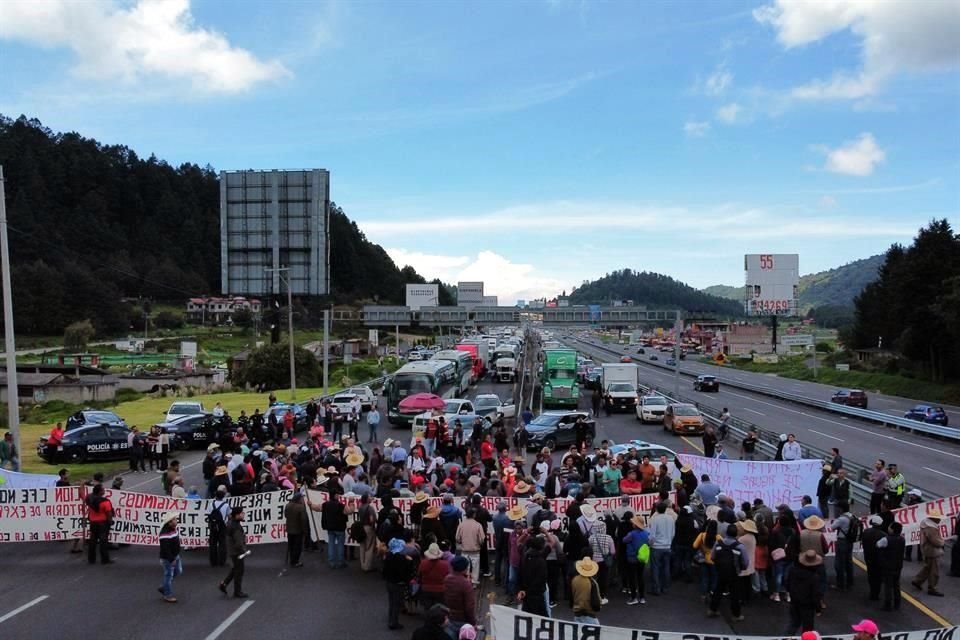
(850, 398)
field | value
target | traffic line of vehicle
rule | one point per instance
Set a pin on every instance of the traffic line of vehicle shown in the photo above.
(825, 435)
(924, 609)
(22, 608)
(942, 473)
(216, 633)
(754, 411)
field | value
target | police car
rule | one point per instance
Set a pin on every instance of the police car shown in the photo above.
(187, 432)
(89, 443)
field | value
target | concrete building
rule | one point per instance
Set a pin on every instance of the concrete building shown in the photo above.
(218, 310)
(77, 384)
(273, 219)
(469, 294)
(742, 339)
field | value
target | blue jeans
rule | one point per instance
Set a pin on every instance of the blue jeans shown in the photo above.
(781, 572)
(586, 620)
(171, 569)
(660, 573)
(373, 431)
(843, 565)
(335, 542)
(512, 574)
(708, 578)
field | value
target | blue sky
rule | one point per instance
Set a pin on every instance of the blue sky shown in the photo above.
(534, 145)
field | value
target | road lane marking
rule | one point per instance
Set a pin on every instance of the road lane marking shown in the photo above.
(229, 621)
(697, 447)
(924, 609)
(825, 435)
(154, 478)
(754, 411)
(848, 426)
(22, 608)
(942, 473)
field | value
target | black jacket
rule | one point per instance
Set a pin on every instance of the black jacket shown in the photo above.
(333, 516)
(869, 542)
(890, 557)
(170, 544)
(804, 586)
(236, 538)
(533, 580)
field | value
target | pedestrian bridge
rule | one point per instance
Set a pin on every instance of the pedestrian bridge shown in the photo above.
(595, 316)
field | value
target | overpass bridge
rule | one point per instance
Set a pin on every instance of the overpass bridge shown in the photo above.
(586, 316)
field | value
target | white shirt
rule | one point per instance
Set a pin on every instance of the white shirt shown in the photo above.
(218, 412)
(791, 451)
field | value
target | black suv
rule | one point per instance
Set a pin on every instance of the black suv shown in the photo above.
(706, 383)
(556, 429)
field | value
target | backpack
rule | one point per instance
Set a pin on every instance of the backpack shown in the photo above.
(726, 559)
(215, 520)
(854, 532)
(643, 553)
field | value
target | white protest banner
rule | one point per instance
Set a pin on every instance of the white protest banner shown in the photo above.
(775, 482)
(14, 480)
(510, 624)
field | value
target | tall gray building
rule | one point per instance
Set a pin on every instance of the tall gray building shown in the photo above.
(273, 219)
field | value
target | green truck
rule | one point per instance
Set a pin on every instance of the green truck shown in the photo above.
(558, 378)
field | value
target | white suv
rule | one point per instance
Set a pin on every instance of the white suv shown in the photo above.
(367, 397)
(651, 408)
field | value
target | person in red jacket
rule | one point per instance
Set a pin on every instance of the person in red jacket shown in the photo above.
(54, 440)
(488, 454)
(433, 570)
(100, 516)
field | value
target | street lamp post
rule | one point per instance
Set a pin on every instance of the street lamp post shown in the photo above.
(13, 395)
(293, 367)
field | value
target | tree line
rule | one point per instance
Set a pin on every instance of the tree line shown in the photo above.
(653, 290)
(94, 228)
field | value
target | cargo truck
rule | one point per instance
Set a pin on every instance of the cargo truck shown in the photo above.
(558, 378)
(483, 364)
(506, 369)
(619, 382)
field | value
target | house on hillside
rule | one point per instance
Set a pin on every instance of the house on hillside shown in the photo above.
(75, 384)
(219, 310)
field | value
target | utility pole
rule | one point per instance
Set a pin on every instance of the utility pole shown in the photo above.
(326, 351)
(293, 366)
(13, 395)
(677, 330)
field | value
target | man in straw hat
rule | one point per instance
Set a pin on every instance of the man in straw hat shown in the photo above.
(586, 592)
(931, 544)
(806, 592)
(170, 554)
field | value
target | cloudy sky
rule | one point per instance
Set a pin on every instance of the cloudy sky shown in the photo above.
(534, 144)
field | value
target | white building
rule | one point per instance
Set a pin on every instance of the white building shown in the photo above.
(218, 310)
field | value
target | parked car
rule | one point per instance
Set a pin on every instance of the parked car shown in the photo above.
(342, 401)
(457, 406)
(490, 404)
(89, 443)
(594, 378)
(654, 357)
(189, 431)
(641, 351)
(850, 398)
(626, 359)
(644, 448)
(706, 383)
(651, 408)
(554, 429)
(928, 413)
(367, 397)
(671, 361)
(300, 420)
(682, 419)
(183, 408)
(88, 417)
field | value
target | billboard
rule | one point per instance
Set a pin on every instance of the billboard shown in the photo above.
(798, 340)
(772, 282)
(423, 295)
(272, 220)
(469, 294)
(490, 301)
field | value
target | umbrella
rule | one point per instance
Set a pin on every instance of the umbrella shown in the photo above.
(421, 402)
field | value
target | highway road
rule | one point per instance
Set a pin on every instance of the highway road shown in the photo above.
(926, 463)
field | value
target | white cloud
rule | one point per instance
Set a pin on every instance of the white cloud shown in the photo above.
(696, 129)
(155, 39)
(729, 113)
(718, 82)
(828, 202)
(896, 36)
(856, 157)
(507, 280)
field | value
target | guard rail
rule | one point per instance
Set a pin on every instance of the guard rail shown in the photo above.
(879, 417)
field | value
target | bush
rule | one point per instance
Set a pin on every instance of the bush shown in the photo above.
(168, 320)
(825, 347)
(270, 366)
(77, 336)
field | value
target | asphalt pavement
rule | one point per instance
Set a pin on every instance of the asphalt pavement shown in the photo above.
(926, 463)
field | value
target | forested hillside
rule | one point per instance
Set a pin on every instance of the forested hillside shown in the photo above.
(91, 224)
(653, 290)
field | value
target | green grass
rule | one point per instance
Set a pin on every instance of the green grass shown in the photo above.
(870, 381)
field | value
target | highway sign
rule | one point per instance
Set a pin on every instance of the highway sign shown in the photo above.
(797, 340)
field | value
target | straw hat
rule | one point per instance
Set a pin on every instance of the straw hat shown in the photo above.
(810, 558)
(212, 446)
(420, 497)
(749, 525)
(354, 460)
(433, 552)
(587, 567)
(388, 442)
(588, 512)
(170, 515)
(813, 523)
(516, 512)
(332, 471)
(433, 511)
(712, 512)
(521, 488)
(827, 467)
(935, 514)
(639, 522)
